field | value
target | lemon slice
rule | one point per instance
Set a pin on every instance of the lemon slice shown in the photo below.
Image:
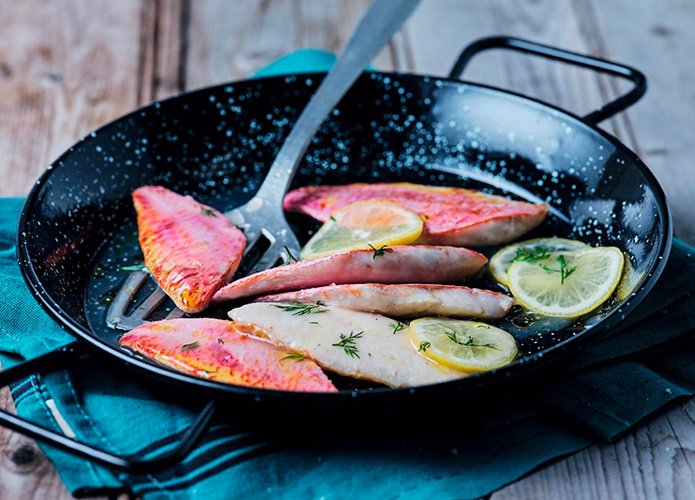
(470, 346)
(629, 281)
(364, 223)
(569, 284)
(532, 250)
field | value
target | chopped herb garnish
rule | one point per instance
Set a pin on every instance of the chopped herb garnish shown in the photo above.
(192, 345)
(136, 267)
(314, 322)
(296, 356)
(220, 341)
(397, 327)
(565, 271)
(425, 216)
(524, 255)
(469, 342)
(347, 342)
(290, 258)
(333, 218)
(298, 309)
(379, 252)
(424, 346)
(207, 211)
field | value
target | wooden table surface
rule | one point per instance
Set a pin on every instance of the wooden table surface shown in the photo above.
(68, 66)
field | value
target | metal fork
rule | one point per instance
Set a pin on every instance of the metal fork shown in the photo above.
(263, 215)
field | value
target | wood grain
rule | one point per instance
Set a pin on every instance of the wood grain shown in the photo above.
(256, 33)
(661, 43)
(67, 67)
(23, 467)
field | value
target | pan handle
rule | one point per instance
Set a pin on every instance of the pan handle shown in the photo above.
(620, 70)
(59, 359)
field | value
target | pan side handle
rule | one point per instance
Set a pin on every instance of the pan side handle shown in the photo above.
(61, 358)
(601, 65)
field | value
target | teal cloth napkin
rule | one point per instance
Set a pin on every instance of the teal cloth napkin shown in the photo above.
(611, 385)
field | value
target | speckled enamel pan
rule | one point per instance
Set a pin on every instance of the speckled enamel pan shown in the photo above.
(77, 227)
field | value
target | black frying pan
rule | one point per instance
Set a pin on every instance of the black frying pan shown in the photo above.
(77, 226)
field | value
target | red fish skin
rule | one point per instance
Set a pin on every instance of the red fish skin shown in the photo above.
(191, 249)
(452, 216)
(402, 264)
(215, 350)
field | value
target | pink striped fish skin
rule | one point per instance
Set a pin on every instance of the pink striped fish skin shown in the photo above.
(410, 300)
(191, 249)
(399, 264)
(452, 216)
(214, 349)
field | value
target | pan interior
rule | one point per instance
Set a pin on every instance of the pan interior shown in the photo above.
(217, 144)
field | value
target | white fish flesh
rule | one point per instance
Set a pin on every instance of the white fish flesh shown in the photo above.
(351, 343)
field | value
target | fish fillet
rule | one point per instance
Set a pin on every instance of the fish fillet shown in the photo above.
(399, 264)
(372, 350)
(192, 250)
(214, 350)
(453, 216)
(405, 300)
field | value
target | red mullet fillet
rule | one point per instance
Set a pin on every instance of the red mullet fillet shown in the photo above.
(452, 216)
(213, 349)
(398, 264)
(192, 250)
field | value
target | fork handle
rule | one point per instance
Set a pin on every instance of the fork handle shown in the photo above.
(377, 26)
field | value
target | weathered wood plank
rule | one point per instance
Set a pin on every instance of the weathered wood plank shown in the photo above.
(659, 40)
(440, 29)
(163, 48)
(654, 461)
(65, 68)
(25, 472)
(256, 33)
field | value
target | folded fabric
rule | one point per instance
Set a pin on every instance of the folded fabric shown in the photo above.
(609, 386)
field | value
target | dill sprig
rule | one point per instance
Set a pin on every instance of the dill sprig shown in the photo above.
(424, 346)
(397, 327)
(379, 252)
(299, 309)
(469, 342)
(133, 268)
(347, 342)
(290, 258)
(192, 345)
(524, 255)
(207, 211)
(296, 356)
(565, 271)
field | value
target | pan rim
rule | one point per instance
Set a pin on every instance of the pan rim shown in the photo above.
(518, 368)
